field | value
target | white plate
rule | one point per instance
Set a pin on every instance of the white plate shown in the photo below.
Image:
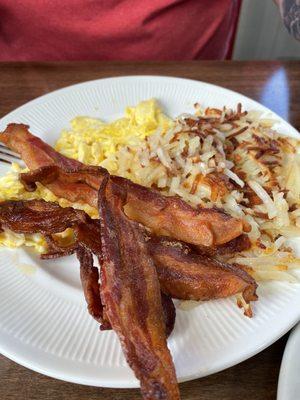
(44, 324)
(289, 382)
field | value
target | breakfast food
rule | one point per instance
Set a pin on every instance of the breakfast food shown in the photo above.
(191, 209)
(130, 292)
(75, 182)
(189, 275)
(210, 141)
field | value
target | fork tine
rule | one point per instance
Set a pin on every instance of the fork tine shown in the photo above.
(4, 147)
(9, 154)
(5, 161)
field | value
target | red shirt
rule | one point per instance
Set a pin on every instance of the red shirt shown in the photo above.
(116, 29)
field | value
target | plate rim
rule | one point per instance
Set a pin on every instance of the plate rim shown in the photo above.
(133, 384)
(244, 356)
(285, 362)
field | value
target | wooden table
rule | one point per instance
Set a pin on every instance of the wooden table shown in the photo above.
(275, 84)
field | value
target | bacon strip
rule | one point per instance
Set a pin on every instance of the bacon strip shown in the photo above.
(56, 250)
(164, 215)
(89, 276)
(47, 218)
(88, 235)
(75, 186)
(182, 273)
(189, 276)
(130, 293)
(76, 182)
(33, 150)
(173, 217)
(39, 216)
(169, 312)
(241, 243)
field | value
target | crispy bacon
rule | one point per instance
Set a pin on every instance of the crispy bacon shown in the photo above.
(173, 217)
(38, 216)
(88, 235)
(164, 215)
(89, 276)
(49, 218)
(186, 275)
(241, 243)
(90, 242)
(56, 249)
(76, 182)
(22, 217)
(33, 150)
(76, 185)
(131, 297)
(172, 258)
(169, 312)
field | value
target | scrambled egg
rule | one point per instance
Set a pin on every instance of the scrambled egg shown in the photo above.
(92, 142)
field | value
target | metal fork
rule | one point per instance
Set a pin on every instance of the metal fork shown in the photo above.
(7, 156)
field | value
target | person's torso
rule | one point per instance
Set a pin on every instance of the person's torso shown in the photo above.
(116, 29)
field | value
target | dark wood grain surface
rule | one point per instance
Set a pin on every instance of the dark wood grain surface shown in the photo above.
(275, 84)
